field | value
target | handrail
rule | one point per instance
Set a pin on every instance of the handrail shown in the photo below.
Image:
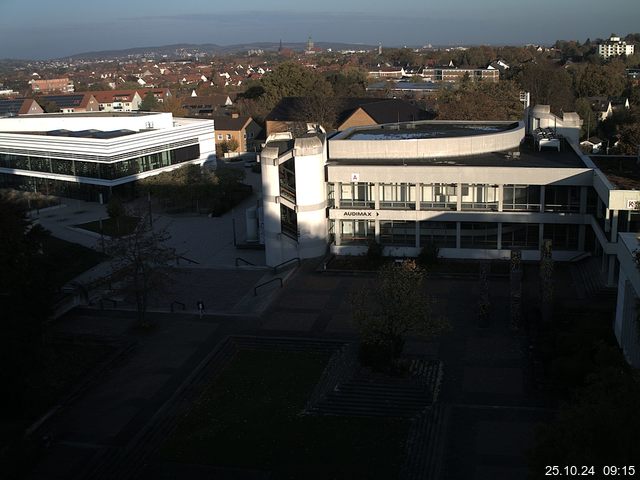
(240, 259)
(296, 259)
(176, 302)
(255, 290)
(179, 257)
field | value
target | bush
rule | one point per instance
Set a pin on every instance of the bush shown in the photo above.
(380, 356)
(374, 252)
(428, 255)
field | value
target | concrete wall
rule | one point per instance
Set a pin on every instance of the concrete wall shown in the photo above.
(626, 323)
(78, 122)
(340, 147)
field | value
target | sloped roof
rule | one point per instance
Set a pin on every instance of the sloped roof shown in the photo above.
(73, 100)
(15, 106)
(227, 122)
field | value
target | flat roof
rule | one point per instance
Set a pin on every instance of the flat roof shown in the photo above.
(88, 114)
(428, 129)
(622, 171)
(525, 157)
(90, 133)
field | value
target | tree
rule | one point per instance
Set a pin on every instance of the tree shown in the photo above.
(149, 103)
(229, 145)
(290, 79)
(116, 210)
(25, 301)
(174, 106)
(548, 85)
(142, 259)
(393, 308)
(481, 101)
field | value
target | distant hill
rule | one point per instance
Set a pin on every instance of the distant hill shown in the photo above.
(181, 49)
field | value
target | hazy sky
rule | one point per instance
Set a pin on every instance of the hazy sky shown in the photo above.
(49, 28)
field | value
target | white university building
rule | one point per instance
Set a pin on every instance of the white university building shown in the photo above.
(475, 190)
(87, 154)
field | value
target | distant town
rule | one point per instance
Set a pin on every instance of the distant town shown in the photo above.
(321, 261)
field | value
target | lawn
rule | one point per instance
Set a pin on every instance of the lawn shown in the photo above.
(123, 226)
(68, 260)
(249, 417)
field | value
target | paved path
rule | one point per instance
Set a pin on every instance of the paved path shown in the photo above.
(490, 409)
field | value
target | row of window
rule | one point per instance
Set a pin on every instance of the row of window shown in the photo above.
(472, 234)
(445, 197)
(106, 171)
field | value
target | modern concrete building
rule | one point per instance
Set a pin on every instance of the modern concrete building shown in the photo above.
(87, 154)
(627, 326)
(473, 189)
(614, 47)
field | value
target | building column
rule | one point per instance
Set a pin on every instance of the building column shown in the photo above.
(611, 271)
(377, 230)
(583, 200)
(500, 232)
(542, 200)
(337, 194)
(614, 226)
(500, 200)
(376, 195)
(418, 234)
(540, 236)
(337, 232)
(418, 196)
(582, 233)
(458, 232)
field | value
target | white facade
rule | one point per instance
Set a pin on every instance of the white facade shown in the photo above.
(627, 325)
(100, 149)
(614, 47)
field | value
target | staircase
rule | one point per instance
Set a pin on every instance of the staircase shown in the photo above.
(590, 281)
(371, 394)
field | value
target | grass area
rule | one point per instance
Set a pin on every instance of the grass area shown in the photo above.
(250, 418)
(123, 226)
(62, 366)
(68, 260)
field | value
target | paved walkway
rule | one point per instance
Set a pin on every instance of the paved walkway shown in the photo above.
(208, 241)
(490, 409)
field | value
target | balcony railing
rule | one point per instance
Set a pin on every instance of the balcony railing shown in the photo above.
(438, 205)
(398, 205)
(357, 204)
(490, 206)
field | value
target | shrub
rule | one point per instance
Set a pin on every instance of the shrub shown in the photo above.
(428, 255)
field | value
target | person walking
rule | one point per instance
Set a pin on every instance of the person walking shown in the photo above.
(200, 305)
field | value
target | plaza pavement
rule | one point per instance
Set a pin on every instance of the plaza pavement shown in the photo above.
(491, 409)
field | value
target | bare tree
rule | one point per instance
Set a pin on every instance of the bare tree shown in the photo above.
(142, 259)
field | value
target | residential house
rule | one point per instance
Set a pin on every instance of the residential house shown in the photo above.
(243, 129)
(592, 145)
(118, 100)
(73, 103)
(206, 106)
(19, 106)
(52, 85)
(351, 112)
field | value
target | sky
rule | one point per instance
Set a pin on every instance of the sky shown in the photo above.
(43, 29)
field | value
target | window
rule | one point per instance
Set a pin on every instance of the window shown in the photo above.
(562, 199)
(288, 222)
(228, 136)
(219, 136)
(440, 234)
(357, 232)
(398, 233)
(439, 196)
(563, 237)
(398, 195)
(479, 235)
(479, 197)
(357, 195)
(520, 236)
(521, 198)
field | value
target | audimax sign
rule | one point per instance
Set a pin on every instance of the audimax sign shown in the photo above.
(360, 214)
